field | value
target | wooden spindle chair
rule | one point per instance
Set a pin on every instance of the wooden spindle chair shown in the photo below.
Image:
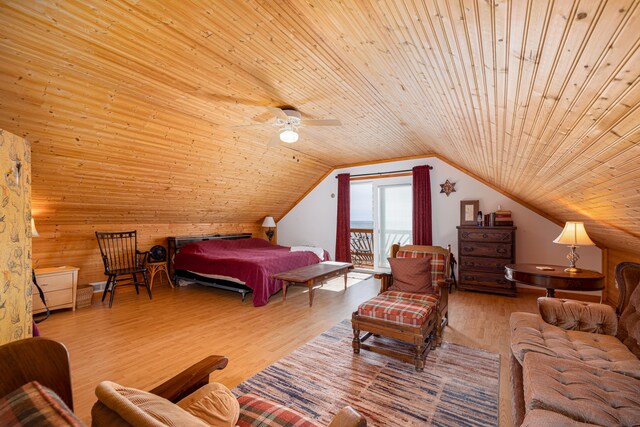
(36, 359)
(122, 258)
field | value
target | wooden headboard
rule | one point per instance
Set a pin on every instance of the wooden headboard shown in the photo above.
(174, 243)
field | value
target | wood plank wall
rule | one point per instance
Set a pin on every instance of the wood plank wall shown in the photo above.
(615, 257)
(76, 244)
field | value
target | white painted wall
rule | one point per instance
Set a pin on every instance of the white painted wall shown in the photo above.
(313, 220)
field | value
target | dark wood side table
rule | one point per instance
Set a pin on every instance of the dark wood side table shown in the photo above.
(557, 278)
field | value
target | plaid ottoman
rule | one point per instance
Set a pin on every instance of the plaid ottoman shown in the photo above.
(402, 316)
(400, 307)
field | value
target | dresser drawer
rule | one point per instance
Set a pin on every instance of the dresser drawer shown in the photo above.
(54, 299)
(54, 282)
(494, 265)
(494, 280)
(494, 250)
(480, 235)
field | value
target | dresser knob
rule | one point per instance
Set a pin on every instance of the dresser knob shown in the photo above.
(485, 235)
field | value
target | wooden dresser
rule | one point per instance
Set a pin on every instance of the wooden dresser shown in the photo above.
(483, 252)
(59, 286)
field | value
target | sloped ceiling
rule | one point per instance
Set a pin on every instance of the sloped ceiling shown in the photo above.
(131, 106)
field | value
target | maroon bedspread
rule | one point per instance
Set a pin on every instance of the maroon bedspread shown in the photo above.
(252, 261)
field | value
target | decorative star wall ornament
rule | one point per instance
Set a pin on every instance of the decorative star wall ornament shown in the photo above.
(448, 187)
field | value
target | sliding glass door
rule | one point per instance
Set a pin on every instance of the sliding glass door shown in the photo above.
(362, 249)
(393, 220)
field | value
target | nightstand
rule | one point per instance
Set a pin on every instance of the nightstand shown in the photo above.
(59, 286)
(157, 267)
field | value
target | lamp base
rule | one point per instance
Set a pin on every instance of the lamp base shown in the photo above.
(573, 257)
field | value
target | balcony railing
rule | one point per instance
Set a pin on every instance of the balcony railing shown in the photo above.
(362, 247)
(362, 250)
(390, 237)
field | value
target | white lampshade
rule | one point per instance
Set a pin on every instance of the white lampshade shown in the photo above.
(574, 234)
(34, 232)
(268, 222)
(289, 136)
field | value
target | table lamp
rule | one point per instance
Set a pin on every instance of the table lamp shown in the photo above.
(271, 224)
(573, 235)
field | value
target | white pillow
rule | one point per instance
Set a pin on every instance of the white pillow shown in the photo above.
(316, 250)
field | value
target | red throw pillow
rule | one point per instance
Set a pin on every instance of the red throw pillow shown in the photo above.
(411, 275)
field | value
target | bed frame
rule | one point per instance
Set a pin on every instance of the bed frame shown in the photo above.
(174, 244)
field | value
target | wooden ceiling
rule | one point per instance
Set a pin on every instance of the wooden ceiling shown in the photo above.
(131, 106)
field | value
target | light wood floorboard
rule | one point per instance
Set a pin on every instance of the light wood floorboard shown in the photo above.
(140, 343)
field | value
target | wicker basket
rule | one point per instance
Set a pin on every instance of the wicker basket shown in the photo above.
(84, 293)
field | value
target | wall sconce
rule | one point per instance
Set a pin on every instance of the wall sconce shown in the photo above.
(573, 235)
(15, 170)
(270, 224)
(34, 232)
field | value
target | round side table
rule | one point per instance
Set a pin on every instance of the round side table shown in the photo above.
(158, 267)
(554, 277)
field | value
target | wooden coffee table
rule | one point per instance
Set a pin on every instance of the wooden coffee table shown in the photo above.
(313, 274)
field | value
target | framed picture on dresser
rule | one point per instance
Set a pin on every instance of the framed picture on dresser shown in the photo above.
(469, 212)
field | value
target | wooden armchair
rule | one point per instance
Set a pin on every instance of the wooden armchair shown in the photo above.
(194, 381)
(415, 318)
(36, 359)
(440, 271)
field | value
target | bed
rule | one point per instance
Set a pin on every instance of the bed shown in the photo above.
(244, 264)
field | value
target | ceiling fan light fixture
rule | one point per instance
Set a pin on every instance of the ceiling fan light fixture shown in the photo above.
(289, 136)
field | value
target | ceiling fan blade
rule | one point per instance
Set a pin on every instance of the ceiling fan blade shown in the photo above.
(260, 125)
(263, 117)
(330, 122)
(278, 113)
(275, 141)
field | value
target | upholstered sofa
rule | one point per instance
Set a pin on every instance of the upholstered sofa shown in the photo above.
(577, 363)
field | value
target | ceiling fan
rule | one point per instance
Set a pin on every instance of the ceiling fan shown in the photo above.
(289, 122)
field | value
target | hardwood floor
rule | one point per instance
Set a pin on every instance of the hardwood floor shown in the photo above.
(141, 343)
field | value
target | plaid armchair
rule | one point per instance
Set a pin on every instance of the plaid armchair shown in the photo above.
(415, 318)
(441, 276)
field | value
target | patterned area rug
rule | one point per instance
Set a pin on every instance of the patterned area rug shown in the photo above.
(459, 385)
